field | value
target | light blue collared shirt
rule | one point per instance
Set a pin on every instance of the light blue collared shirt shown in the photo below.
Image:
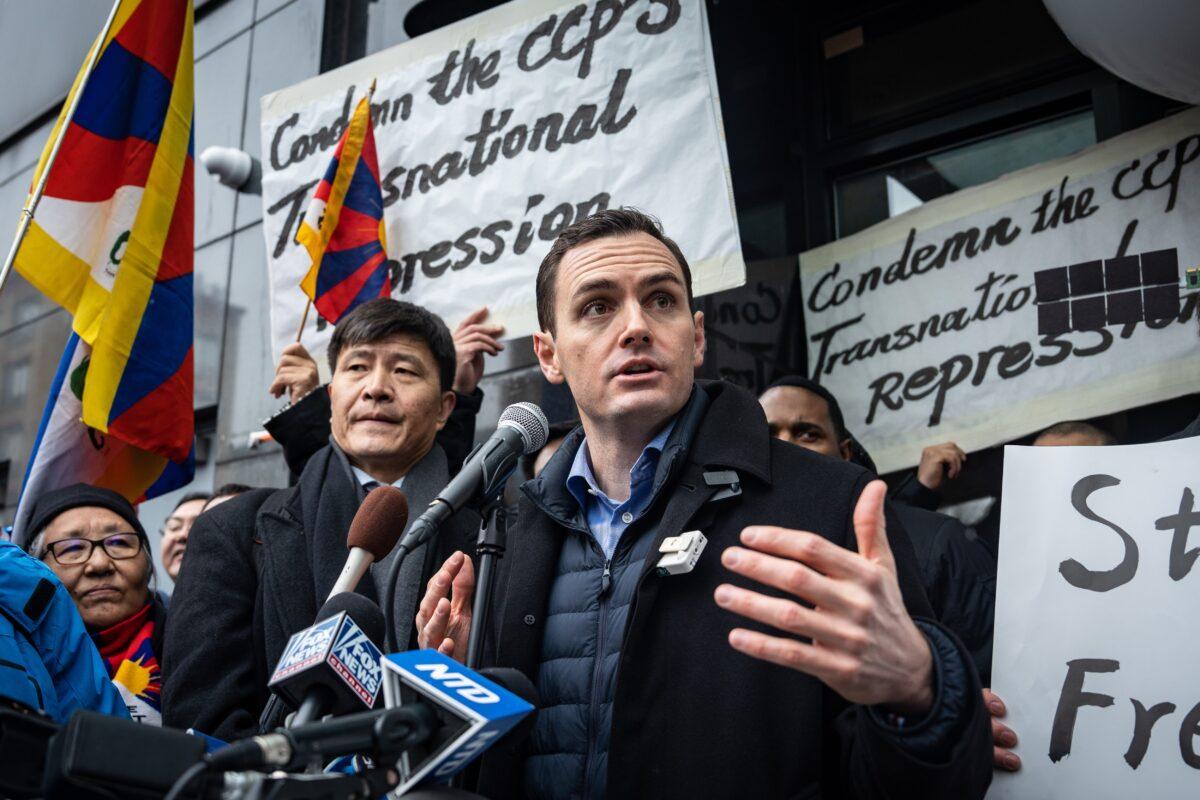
(606, 518)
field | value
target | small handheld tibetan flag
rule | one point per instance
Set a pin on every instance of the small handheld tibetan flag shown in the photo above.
(343, 226)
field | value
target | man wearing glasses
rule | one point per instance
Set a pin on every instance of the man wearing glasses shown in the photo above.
(92, 540)
(176, 529)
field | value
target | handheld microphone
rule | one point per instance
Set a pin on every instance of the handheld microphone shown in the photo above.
(373, 533)
(522, 429)
(332, 667)
(474, 711)
(382, 734)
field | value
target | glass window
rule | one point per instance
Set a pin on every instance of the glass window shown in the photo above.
(16, 381)
(296, 31)
(211, 282)
(220, 103)
(27, 367)
(867, 198)
(911, 60)
(249, 364)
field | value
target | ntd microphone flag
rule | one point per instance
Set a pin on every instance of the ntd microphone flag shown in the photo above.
(112, 240)
(342, 228)
(336, 653)
(474, 712)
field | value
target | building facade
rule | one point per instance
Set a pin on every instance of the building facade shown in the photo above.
(837, 115)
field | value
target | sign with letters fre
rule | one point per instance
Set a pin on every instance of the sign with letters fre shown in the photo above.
(926, 326)
(1096, 645)
(496, 133)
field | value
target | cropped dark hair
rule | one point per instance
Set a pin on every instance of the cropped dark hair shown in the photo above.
(384, 318)
(835, 410)
(1080, 428)
(189, 497)
(622, 221)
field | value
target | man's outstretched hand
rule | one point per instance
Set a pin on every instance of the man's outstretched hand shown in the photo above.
(861, 641)
(444, 616)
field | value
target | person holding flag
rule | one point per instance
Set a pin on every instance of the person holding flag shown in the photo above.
(343, 232)
(112, 244)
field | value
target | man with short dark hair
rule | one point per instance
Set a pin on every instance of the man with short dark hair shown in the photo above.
(302, 427)
(261, 565)
(225, 492)
(1074, 433)
(782, 663)
(176, 528)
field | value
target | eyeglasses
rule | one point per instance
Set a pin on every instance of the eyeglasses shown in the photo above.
(118, 546)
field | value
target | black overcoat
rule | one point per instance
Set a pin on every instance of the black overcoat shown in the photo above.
(257, 569)
(693, 717)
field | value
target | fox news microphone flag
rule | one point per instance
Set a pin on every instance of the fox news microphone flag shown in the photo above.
(342, 228)
(112, 244)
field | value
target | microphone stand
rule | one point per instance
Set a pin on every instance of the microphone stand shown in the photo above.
(493, 534)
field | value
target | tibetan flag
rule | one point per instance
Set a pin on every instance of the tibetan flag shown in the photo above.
(112, 239)
(66, 451)
(343, 226)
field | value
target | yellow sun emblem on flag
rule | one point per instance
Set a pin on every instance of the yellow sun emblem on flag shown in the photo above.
(133, 676)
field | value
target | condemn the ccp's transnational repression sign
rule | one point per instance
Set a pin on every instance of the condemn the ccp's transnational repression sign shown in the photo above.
(925, 326)
(496, 133)
(1096, 646)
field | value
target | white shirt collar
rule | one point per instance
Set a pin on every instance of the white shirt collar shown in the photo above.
(364, 479)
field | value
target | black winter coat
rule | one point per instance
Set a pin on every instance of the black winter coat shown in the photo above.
(692, 717)
(257, 569)
(959, 576)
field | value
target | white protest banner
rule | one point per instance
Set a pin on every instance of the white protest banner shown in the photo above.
(1096, 645)
(497, 132)
(925, 326)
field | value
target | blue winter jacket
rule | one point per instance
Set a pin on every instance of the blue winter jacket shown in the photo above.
(47, 660)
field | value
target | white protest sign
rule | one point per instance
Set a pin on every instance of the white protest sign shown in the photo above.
(496, 133)
(1096, 645)
(925, 326)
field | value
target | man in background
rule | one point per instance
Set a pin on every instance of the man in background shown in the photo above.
(176, 529)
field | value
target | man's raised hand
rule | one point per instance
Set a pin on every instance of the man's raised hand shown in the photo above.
(444, 616)
(296, 373)
(857, 636)
(940, 463)
(473, 338)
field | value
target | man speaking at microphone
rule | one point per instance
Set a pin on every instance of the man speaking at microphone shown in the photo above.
(796, 658)
(260, 566)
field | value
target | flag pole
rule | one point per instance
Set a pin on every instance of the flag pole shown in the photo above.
(35, 196)
(304, 319)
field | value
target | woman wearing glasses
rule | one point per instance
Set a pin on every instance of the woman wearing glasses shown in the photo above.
(91, 538)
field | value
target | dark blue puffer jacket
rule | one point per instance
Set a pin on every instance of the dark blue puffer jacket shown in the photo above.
(577, 676)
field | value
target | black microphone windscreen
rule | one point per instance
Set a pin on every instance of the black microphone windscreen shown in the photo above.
(379, 521)
(515, 681)
(365, 613)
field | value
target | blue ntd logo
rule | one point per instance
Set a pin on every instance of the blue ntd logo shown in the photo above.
(458, 683)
